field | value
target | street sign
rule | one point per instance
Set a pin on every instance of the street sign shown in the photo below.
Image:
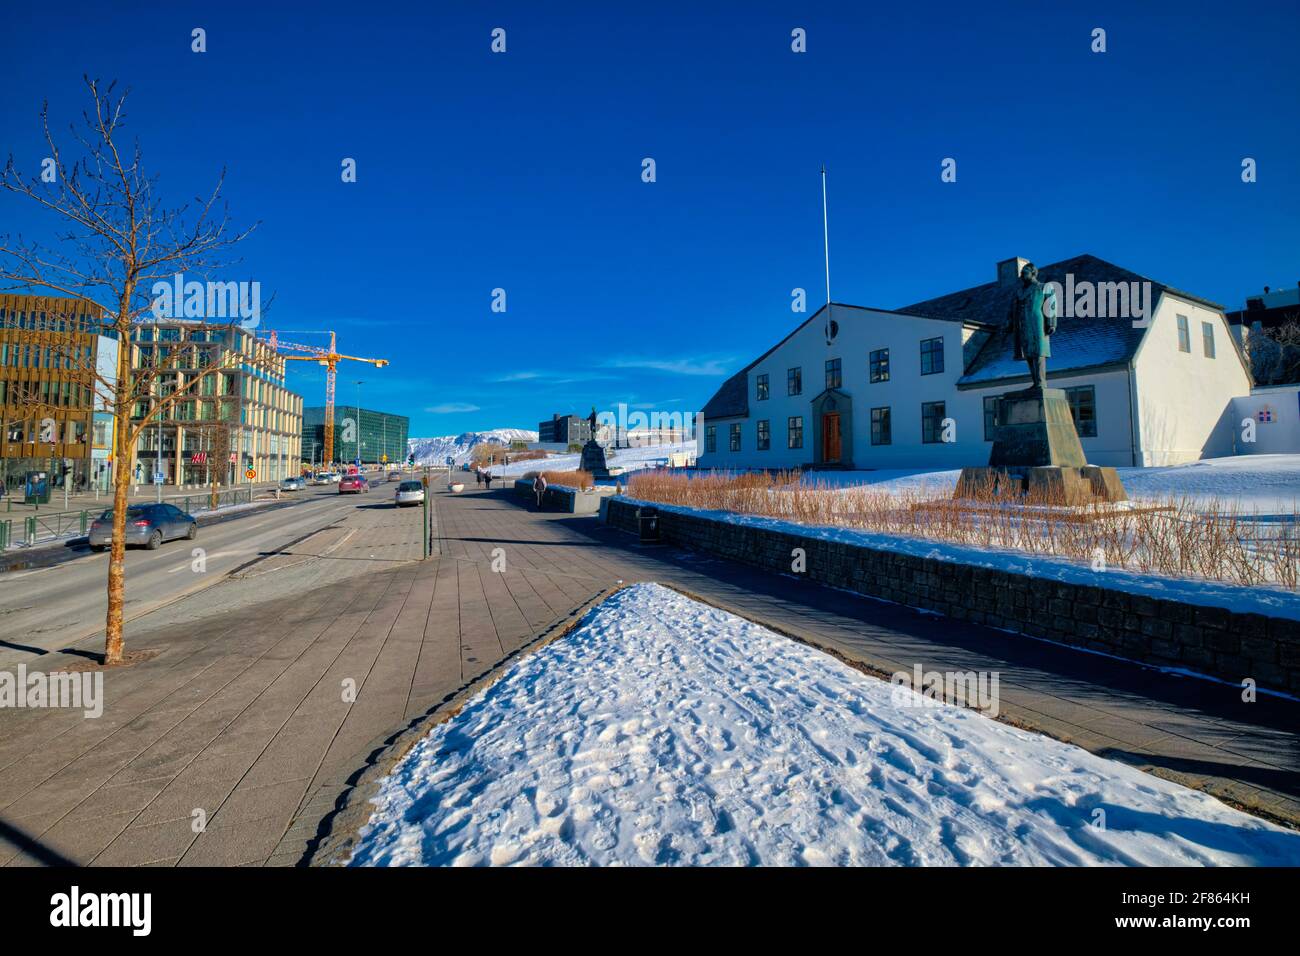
(450, 460)
(358, 462)
(384, 459)
(158, 477)
(250, 474)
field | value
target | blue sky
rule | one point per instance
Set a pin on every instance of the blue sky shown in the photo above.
(522, 170)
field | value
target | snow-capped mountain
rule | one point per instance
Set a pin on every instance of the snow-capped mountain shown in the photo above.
(434, 451)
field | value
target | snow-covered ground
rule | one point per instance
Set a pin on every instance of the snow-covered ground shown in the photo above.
(629, 459)
(1267, 484)
(664, 731)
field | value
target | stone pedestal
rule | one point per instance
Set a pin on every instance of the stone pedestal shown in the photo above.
(1035, 429)
(593, 459)
(1036, 451)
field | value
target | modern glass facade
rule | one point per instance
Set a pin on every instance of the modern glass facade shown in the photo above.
(358, 433)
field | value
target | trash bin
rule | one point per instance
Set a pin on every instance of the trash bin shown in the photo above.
(647, 520)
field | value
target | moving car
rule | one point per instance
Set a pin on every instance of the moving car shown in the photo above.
(147, 525)
(394, 476)
(353, 484)
(409, 493)
(293, 484)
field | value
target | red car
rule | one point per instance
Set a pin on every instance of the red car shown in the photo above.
(353, 484)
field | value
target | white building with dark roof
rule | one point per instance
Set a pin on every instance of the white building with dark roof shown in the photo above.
(915, 387)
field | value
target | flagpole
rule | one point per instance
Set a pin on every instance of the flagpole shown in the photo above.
(826, 239)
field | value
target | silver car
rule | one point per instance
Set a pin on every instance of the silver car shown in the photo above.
(409, 493)
(293, 484)
(146, 525)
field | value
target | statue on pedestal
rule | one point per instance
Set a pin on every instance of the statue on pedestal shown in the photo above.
(1032, 320)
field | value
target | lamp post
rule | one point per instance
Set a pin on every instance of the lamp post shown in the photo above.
(359, 383)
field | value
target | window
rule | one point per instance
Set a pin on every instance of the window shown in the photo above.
(764, 435)
(710, 438)
(932, 356)
(990, 417)
(880, 429)
(795, 431)
(762, 387)
(734, 437)
(794, 381)
(1083, 407)
(1207, 339)
(833, 377)
(1184, 336)
(932, 415)
(880, 365)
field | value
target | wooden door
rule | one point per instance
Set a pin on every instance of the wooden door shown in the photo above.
(831, 438)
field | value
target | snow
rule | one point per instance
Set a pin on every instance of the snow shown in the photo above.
(1267, 484)
(434, 451)
(1269, 601)
(665, 731)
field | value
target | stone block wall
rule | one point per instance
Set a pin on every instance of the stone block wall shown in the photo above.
(1214, 641)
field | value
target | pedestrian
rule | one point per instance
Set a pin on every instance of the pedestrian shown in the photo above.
(478, 477)
(2, 487)
(539, 489)
(487, 480)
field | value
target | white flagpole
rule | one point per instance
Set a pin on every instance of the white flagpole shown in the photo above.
(826, 240)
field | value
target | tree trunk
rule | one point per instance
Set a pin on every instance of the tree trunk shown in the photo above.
(117, 549)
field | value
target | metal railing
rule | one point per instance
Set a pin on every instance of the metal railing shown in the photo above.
(54, 525)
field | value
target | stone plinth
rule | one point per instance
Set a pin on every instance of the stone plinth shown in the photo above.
(1036, 451)
(1035, 429)
(593, 459)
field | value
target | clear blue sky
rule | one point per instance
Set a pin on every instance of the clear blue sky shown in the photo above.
(523, 170)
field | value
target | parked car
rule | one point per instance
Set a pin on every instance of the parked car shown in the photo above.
(293, 484)
(146, 525)
(353, 484)
(409, 493)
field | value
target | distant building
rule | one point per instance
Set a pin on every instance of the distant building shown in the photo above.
(358, 433)
(917, 387)
(240, 405)
(564, 430)
(51, 416)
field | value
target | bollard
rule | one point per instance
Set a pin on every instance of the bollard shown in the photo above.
(29, 531)
(424, 521)
(85, 521)
(4, 535)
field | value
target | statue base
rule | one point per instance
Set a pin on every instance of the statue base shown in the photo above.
(1046, 484)
(593, 460)
(1035, 429)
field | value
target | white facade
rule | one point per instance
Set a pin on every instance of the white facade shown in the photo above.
(1274, 421)
(1163, 406)
(1184, 398)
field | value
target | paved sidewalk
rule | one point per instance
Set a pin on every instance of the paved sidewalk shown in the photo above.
(246, 715)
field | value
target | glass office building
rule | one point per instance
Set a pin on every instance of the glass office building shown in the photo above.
(358, 433)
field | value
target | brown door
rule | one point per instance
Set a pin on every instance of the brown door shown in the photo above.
(831, 437)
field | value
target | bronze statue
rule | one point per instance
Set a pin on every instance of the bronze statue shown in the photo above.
(1032, 319)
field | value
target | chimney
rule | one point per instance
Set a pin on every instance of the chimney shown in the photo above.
(1009, 270)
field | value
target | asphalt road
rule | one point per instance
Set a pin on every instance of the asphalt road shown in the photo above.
(54, 607)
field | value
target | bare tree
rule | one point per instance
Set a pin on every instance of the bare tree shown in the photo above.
(1275, 352)
(114, 240)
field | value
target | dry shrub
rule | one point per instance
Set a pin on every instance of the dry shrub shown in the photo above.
(570, 479)
(1170, 536)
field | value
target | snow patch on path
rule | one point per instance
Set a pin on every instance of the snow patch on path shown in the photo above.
(665, 731)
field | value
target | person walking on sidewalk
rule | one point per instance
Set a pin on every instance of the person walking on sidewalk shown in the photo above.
(539, 489)
(487, 480)
(478, 477)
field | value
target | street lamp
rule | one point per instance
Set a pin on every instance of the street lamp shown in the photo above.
(359, 383)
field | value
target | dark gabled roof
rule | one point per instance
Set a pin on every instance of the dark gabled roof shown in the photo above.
(1079, 343)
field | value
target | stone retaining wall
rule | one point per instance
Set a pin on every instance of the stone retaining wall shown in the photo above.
(1209, 640)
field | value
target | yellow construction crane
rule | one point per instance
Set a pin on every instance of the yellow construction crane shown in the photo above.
(329, 358)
